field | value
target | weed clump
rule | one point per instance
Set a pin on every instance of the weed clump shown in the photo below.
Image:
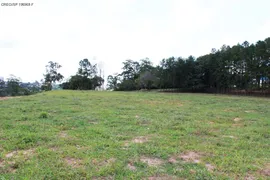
(43, 115)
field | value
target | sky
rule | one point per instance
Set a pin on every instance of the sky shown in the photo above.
(108, 32)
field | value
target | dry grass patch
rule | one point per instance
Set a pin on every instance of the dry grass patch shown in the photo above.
(237, 125)
(140, 139)
(54, 148)
(191, 156)
(152, 102)
(175, 103)
(63, 134)
(93, 122)
(195, 157)
(5, 98)
(250, 111)
(151, 161)
(165, 177)
(209, 167)
(2, 164)
(74, 162)
(131, 167)
(104, 162)
(237, 119)
(226, 136)
(137, 140)
(26, 153)
(172, 160)
(103, 178)
(266, 170)
(249, 177)
(13, 166)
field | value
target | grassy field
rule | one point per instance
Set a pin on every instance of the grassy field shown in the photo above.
(134, 135)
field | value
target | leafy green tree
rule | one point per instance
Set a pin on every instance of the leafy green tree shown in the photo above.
(85, 79)
(78, 82)
(2, 88)
(147, 80)
(113, 82)
(130, 70)
(52, 75)
(86, 69)
(13, 86)
(97, 81)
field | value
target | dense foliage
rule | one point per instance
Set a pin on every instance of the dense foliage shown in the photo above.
(85, 79)
(14, 87)
(240, 67)
(52, 75)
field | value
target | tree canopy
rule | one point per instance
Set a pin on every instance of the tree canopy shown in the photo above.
(240, 67)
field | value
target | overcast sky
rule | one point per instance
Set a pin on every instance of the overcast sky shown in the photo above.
(67, 31)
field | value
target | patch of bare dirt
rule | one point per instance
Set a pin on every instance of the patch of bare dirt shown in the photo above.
(26, 153)
(131, 167)
(104, 162)
(172, 160)
(180, 105)
(226, 136)
(249, 177)
(209, 167)
(63, 134)
(93, 122)
(192, 171)
(103, 178)
(237, 125)
(152, 102)
(249, 111)
(191, 157)
(125, 146)
(12, 166)
(265, 171)
(151, 161)
(140, 139)
(237, 119)
(54, 148)
(165, 177)
(5, 98)
(2, 164)
(11, 154)
(173, 102)
(73, 162)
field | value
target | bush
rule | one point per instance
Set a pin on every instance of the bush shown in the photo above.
(43, 115)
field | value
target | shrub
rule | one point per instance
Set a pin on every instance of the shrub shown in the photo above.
(43, 115)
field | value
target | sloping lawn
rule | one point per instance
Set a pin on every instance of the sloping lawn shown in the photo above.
(134, 135)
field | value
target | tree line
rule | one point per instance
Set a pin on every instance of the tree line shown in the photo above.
(86, 78)
(244, 67)
(14, 87)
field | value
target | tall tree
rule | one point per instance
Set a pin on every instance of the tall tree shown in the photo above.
(86, 69)
(13, 85)
(112, 82)
(52, 75)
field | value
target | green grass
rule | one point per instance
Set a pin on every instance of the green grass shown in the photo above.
(96, 135)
